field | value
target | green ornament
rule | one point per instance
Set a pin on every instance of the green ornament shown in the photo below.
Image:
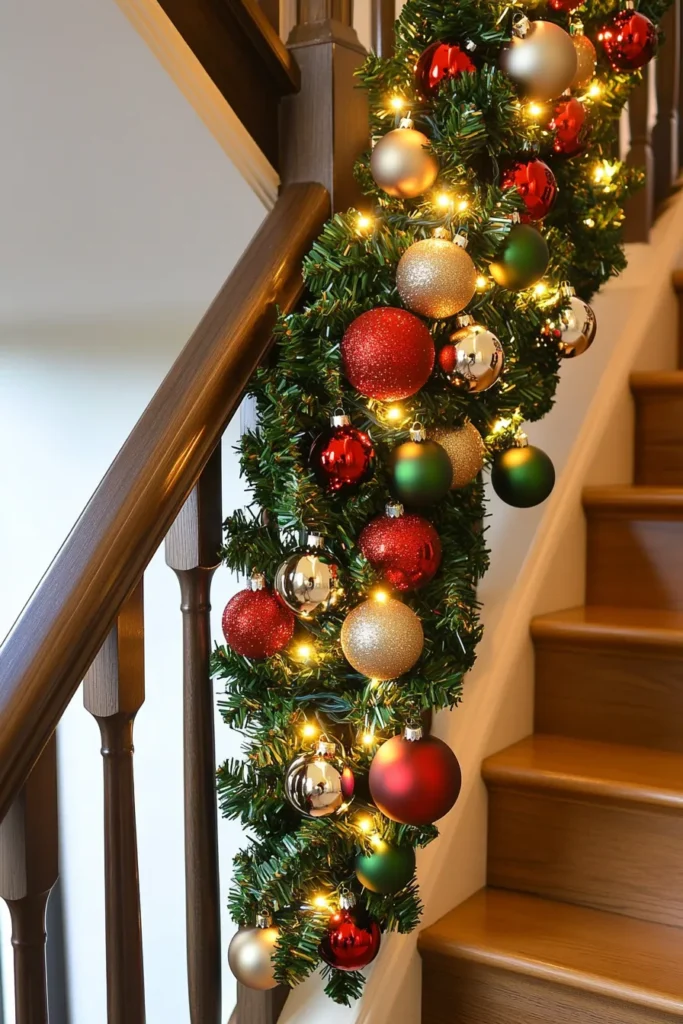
(524, 259)
(421, 469)
(523, 475)
(387, 869)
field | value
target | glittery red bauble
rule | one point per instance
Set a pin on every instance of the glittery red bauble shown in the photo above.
(388, 354)
(568, 124)
(535, 183)
(629, 40)
(406, 550)
(342, 457)
(438, 62)
(256, 624)
(415, 782)
(352, 940)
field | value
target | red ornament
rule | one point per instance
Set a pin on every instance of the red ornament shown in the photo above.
(387, 354)
(568, 123)
(353, 937)
(342, 457)
(629, 40)
(442, 61)
(405, 549)
(535, 183)
(565, 5)
(255, 624)
(415, 780)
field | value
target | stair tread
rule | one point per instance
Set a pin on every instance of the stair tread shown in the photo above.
(644, 626)
(633, 496)
(657, 380)
(615, 956)
(608, 771)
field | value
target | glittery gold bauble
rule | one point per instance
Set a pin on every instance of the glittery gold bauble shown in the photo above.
(402, 166)
(586, 59)
(382, 639)
(436, 278)
(464, 448)
(250, 956)
(542, 62)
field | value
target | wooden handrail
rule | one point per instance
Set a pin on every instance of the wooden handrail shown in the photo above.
(61, 629)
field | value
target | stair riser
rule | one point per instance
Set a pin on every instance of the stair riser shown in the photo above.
(659, 438)
(626, 859)
(633, 561)
(609, 694)
(456, 991)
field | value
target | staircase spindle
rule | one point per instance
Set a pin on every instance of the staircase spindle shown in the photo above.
(665, 131)
(192, 547)
(28, 871)
(113, 693)
(639, 209)
(383, 14)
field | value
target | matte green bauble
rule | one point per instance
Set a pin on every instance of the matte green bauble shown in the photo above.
(523, 260)
(522, 476)
(422, 471)
(387, 869)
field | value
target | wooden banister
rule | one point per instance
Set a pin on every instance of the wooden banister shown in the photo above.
(58, 634)
(383, 15)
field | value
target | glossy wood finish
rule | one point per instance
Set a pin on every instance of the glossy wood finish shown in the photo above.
(259, 1007)
(29, 865)
(639, 210)
(192, 551)
(658, 399)
(383, 15)
(665, 130)
(113, 692)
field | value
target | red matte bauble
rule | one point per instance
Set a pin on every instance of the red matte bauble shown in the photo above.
(568, 127)
(352, 941)
(629, 40)
(415, 782)
(387, 354)
(257, 625)
(439, 62)
(406, 550)
(342, 458)
(535, 183)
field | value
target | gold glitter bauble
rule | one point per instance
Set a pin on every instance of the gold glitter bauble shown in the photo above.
(382, 639)
(542, 62)
(586, 59)
(402, 166)
(436, 278)
(250, 956)
(465, 449)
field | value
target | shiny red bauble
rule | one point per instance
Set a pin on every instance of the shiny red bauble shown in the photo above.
(569, 127)
(255, 623)
(535, 183)
(352, 940)
(629, 40)
(406, 550)
(439, 62)
(387, 354)
(342, 457)
(415, 780)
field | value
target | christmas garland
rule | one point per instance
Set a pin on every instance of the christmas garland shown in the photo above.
(435, 322)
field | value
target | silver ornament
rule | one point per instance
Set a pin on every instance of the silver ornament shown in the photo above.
(573, 329)
(307, 581)
(250, 955)
(473, 358)
(400, 163)
(436, 277)
(541, 59)
(318, 783)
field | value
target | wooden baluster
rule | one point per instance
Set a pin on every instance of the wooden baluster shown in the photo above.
(28, 870)
(640, 206)
(192, 547)
(383, 16)
(665, 131)
(113, 692)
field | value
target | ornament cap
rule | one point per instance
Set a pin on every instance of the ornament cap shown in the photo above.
(576, 28)
(311, 539)
(339, 418)
(470, 45)
(521, 25)
(325, 747)
(418, 432)
(460, 240)
(464, 320)
(406, 122)
(394, 509)
(264, 920)
(442, 233)
(628, 5)
(347, 901)
(257, 581)
(566, 290)
(521, 440)
(412, 733)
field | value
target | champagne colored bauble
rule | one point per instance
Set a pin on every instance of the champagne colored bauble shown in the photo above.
(441, 62)
(405, 549)
(535, 183)
(250, 955)
(255, 624)
(307, 581)
(387, 354)
(342, 457)
(542, 62)
(421, 469)
(629, 40)
(413, 779)
(436, 277)
(353, 937)
(465, 449)
(586, 59)
(522, 476)
(319, 783)
(402, 165)
(568, 127)
(573, 328)
(523, 260)
(382, 639)
(387, 869)
(473, 358)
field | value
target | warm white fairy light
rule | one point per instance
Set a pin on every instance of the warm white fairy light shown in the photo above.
(309, 731)
(364, 222)
(397, 103)
(481, 283)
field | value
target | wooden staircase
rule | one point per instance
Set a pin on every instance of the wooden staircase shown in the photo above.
(582, 920)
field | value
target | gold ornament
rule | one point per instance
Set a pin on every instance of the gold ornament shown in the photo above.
(473, 358)
(250, 954)
(400, 163)
(465, 449)
(382, 638)
(436, 277)
(586, 57)
(573, 328)
(541, 59)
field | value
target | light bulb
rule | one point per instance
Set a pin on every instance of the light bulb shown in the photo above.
(462, 205)
(444, 201)
(381, 596)
(397, 103)
(320, 902)
(368, 739)
(595, 89)
(309, 730)
(540, 289)
(481, 282)
(365, 824)
(364, 222)
(394, 413)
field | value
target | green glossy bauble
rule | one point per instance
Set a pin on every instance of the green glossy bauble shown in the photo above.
(523, 260)
(422, 472)
(387, 869)
(522, 477)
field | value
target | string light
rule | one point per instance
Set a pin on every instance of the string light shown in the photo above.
(535, 110)
(589, 222)
(394, 413)
(380, 596)
(540, 289)
(309, 731)
(376, 840)
(364, 222)
(462, 205)
(444, 201)
(481, 282)
(304, 652)
(374, 683)
(501, 425)
(368, 739)
(321, 902)
(397, 103)
(365, 824)
(595, 89)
